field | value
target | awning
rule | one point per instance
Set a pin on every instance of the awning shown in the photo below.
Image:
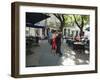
(33, 26)
(32, 18)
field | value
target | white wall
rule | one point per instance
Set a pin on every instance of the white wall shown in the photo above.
(5, 40)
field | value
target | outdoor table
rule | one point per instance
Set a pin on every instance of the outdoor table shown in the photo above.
(70, 42)
(78, 45)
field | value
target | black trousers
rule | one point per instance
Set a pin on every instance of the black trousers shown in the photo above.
(58, 50)
(37, 40)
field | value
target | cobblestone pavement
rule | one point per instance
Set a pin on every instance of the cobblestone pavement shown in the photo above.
(43, 56)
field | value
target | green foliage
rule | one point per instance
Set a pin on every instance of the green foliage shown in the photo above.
(80, 18)
(70, 20)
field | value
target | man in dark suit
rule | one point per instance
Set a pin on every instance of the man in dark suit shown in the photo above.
(58, 44)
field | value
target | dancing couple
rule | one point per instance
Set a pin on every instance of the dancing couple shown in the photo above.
(56, 42)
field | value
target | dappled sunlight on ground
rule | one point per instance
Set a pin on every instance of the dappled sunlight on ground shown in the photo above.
(71, 57)
(67, 61)
(43, 57)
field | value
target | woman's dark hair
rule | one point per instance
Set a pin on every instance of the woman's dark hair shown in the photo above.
(53, 31)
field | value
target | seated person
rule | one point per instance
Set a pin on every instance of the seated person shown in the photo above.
(77, 38)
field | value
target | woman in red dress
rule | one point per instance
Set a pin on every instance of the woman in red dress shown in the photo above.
(54, 41)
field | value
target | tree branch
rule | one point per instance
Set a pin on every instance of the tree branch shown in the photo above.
(58, 17)
(63, 18)
(76, 21)
(82, 24)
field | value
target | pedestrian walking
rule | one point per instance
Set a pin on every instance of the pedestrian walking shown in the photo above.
(49, 36)
(37, 37)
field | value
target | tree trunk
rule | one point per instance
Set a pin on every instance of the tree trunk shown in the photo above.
(61, 18)
(80, 26)
(61, 27)
(81, 32)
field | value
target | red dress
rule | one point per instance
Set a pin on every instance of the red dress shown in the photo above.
(54, 42)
